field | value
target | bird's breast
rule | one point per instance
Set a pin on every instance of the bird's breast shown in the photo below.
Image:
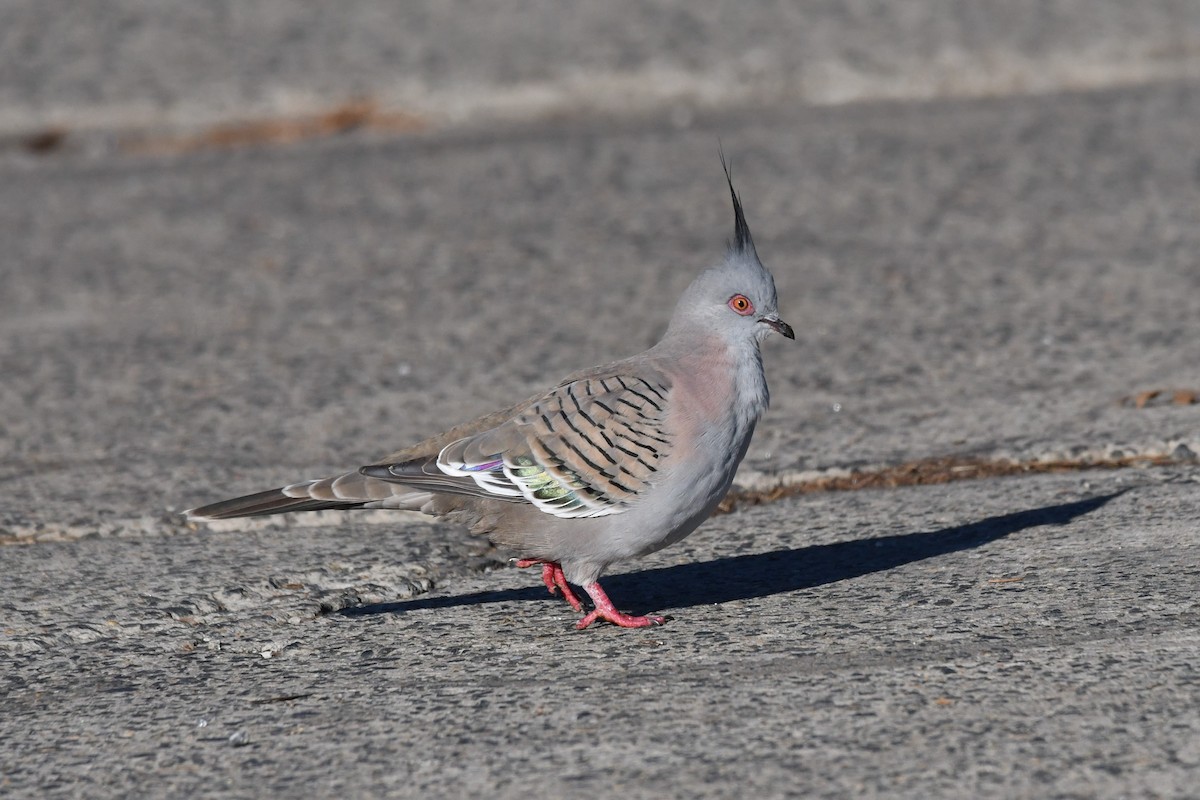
(718, 398)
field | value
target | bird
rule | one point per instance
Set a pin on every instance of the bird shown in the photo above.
(614, 462)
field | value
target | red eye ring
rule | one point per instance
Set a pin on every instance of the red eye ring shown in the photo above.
(741, 305)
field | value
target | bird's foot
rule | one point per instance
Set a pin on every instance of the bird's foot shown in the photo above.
(555, 580)
(606, 611)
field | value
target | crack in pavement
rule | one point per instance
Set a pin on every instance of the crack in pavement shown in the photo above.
(946, 469)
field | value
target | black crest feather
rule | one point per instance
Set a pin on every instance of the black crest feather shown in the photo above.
(741, 231)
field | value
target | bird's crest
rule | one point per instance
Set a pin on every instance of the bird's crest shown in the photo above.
(742, 242)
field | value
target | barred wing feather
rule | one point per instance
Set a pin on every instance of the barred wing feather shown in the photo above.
(589, 448)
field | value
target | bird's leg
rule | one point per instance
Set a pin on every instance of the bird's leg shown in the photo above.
(553, 577)
(606, 611)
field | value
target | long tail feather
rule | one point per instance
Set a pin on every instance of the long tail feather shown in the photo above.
(273, 501)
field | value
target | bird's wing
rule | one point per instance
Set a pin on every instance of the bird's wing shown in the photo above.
(587, 448)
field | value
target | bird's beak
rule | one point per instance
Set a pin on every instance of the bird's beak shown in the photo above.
(778, 325)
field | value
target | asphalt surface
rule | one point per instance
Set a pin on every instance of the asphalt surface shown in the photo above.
(1000, 277)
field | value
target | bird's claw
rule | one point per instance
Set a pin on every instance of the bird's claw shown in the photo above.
(556, 581)
(620, 620)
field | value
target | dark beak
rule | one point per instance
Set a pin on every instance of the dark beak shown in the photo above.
(779, 326)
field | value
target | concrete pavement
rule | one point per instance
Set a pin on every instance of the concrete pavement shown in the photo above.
(988, 277)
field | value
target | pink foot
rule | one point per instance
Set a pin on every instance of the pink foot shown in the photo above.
(553, 577)
(606, 611)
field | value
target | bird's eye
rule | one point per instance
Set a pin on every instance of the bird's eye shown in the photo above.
(741, 304)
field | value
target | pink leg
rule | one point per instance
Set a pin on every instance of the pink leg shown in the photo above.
(606, 611)
(553, 577)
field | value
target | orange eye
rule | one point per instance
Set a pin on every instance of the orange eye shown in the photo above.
(741, 304)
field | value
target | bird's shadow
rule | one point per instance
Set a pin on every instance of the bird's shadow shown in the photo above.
(763, 574)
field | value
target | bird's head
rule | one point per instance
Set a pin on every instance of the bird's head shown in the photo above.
(736, 300)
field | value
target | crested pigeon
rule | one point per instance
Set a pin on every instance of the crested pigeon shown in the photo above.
(616, 461)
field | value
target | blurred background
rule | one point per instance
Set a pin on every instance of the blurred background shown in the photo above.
(124, 67)
(269, 235)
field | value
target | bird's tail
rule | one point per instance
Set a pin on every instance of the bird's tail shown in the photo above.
(344, 492)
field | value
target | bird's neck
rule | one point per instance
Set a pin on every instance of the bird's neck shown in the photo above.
(750, 384)
(727, 382)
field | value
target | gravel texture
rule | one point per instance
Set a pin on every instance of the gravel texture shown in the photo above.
(992, 277)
